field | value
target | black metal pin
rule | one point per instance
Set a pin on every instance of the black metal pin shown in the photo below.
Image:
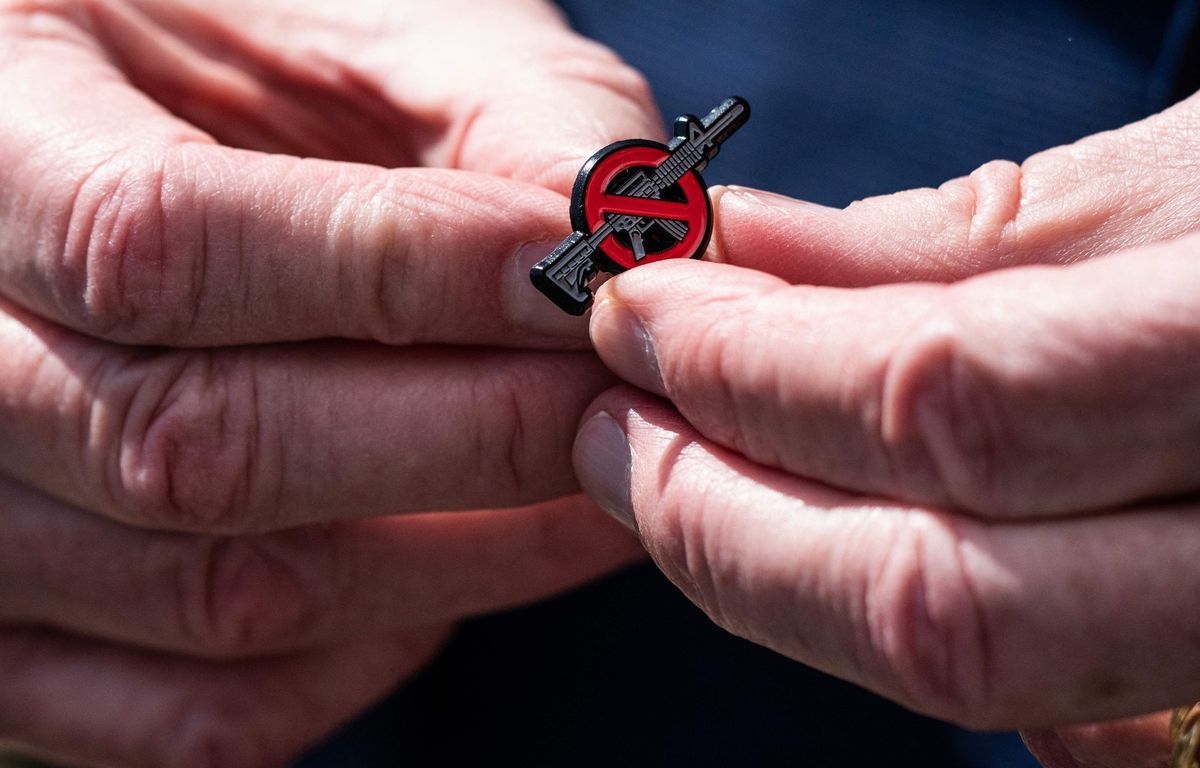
(636, 202)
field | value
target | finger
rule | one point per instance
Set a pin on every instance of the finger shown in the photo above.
(1140, 742)
(557, 99)
(988, 625)
(299, 589)
(505, 87)
(271, 437)
(84, 702)
(1105, 193)
(134, 226)
(1028, 392)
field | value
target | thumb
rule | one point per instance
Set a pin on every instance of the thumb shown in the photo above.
(1105, 193)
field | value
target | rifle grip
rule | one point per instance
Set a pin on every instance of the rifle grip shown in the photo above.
(564, 286)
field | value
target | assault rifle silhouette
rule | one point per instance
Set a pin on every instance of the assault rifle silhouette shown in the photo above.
(564, 274)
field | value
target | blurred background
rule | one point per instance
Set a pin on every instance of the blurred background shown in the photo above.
(851, 98)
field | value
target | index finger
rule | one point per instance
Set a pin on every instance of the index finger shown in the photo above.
(134, 226)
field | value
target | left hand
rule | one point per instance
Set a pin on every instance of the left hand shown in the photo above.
(945, 491)
(229, 312)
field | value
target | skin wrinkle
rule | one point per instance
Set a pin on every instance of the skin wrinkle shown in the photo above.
(929, 403)
(130, 274)
(996, 203)
(279, 705)
(206, 619)
(260, 599)
(170, 471)
(983, 684)
(720, 565)
(244, 429)
(859, 654)
(887, 611)
(461, 130)
(667, 514)
(518, 443)
(396, 321)
(716, 332)
(200, 265)
(889, 422)
(375, 321)
(240, 245)
(66, 391)
(108, 248)
(169, 462)
(674, 510)
(119, 403)
(695, 541)
(730, 357)
(78, 223)
(959, 616)
(268, 469)
(189, 572)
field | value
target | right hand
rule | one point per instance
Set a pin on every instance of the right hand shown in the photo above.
(188, 465)
(965, 483)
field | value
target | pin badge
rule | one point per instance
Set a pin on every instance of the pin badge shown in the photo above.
(637, 202)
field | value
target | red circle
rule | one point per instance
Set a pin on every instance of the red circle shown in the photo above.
(598, 203)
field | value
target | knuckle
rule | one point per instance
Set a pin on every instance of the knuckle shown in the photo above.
(188, 453)
(599, 65)
(629, 83)
(944, 432)
(377, 225)
(506, 449)
(114, 252)
(123, 275)
(925, 629)
(246, 595)
(985, 205)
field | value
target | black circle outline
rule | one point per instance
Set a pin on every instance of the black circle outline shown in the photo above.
(579, 220)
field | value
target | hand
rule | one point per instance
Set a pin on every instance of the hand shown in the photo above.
(188, 463)
(975, 496)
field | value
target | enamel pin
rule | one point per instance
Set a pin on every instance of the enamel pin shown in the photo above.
(636, 202)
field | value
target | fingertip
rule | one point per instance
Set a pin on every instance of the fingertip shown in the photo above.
(526, 308)
(625, 345)
(612, 438)
(604, 465)
(797, 240)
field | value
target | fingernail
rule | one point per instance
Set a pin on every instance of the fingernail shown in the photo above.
(604, 464)
(526, 307)
(770, 199)
(625, 346)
